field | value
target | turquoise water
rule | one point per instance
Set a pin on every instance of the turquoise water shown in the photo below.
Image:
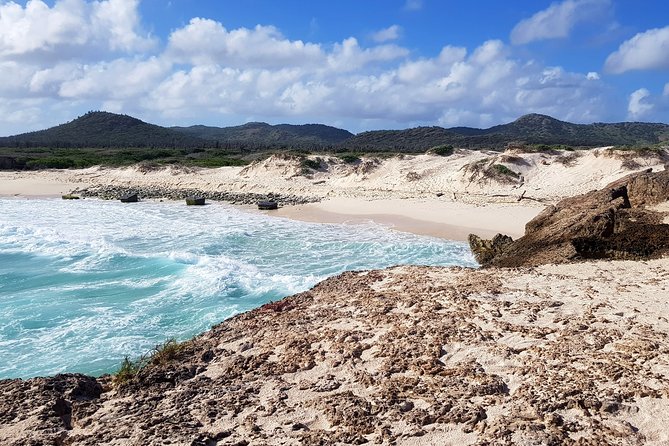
(85, 283)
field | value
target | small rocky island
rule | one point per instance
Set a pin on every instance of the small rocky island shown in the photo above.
(532, 349)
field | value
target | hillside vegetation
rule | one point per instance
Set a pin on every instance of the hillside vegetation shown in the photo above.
(116, 140)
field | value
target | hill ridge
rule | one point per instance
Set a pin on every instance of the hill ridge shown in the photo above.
(100, 129)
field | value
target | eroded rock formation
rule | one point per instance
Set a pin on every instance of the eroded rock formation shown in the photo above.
(616, 222)
(556, 355)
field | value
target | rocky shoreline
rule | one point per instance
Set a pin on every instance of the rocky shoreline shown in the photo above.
(406, 355)
(113, 192)
(534, 349)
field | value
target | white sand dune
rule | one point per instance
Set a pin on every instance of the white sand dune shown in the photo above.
(427, 194)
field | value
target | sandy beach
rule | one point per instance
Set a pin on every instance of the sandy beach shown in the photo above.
(553, 354)
(447, 197)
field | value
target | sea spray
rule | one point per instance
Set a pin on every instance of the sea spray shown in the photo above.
(85, 283)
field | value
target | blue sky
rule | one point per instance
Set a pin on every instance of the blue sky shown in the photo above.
(354, 64)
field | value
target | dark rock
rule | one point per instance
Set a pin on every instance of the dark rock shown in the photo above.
(130, 198)
(267, 205)
(612, 223)
(195, 201)
(485, 250)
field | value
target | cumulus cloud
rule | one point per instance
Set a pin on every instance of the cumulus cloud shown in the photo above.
(210, 74)
(382, 84)
(556, 21)
(638, 105)
(592, 76)
(69, 29)
(205, 41)
(644, 51)
(391, 33)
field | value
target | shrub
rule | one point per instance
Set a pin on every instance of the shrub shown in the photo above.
(127, 371)
(161, 354)
(349, 158)
(166, 352)
(443, 150)
(314, 164)
(502, 169)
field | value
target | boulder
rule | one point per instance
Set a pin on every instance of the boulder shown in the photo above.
(612, 223)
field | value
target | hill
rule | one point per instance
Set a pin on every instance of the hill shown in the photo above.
(103, 129)
(263, 134)
(528, 129)
(113, 139)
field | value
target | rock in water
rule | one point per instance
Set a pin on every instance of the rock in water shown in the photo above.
(485, 250)
(195, 201)
(267, 205)
(612, 223)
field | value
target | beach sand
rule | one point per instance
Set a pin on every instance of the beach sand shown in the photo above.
(439, 196)
(555, 354)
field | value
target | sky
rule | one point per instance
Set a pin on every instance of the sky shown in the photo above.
(354, 64)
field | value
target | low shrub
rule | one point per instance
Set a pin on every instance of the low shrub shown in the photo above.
(443, 150)
(349, 158)
(503, 170)
(313, 164)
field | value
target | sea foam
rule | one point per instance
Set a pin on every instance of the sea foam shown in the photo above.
(85, 283)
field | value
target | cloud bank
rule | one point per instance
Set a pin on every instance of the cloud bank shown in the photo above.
(60, 61)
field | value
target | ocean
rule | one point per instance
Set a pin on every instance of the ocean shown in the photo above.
(85, 283)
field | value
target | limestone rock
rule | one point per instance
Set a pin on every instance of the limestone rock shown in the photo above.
(611, 223)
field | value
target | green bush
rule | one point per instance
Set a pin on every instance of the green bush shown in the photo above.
(502, 169)
(314, 164)
(127, 371)
(161, 354)
(443, 150)
(349, 158)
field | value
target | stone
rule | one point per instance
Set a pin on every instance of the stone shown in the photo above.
(612, 223)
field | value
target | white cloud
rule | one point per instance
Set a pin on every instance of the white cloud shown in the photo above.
(666, 90)
(556, 21)
(393, 32)
(645, 51)
(206, 73)
(592, 76)
(413, 5)
(349, 56)
(71, 29)
(205, 41)
(638, 105)
(428, 90)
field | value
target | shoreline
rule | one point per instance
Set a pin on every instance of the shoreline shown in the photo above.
(439, 218)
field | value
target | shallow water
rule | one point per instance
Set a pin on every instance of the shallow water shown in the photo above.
(85, 283)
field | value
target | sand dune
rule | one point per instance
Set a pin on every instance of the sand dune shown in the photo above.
(442, 196)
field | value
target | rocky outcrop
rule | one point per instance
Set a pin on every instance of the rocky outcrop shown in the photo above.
(612, 223)
(407, 355)
(486, 250)
(111, 192)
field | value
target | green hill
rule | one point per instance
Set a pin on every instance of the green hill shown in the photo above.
(103, 129)
(112, 139)
(528, 129)
(261, 134)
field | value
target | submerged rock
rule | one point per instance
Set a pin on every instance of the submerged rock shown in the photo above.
(612, 223)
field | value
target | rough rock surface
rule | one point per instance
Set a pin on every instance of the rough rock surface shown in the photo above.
(613, 223)
(112, 192)
(555, 355)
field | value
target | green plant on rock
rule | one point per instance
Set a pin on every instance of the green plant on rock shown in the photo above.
(127, 371)
(161, 354)
(166, 352)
